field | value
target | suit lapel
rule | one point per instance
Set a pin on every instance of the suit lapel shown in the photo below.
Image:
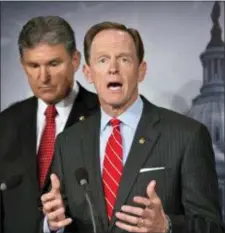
(148, 131)
(90, 147)
(82, 107)
(77, 111)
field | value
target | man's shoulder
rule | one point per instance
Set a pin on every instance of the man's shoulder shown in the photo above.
(179, 121)
(88, 97)
(17, 108)
(175, 120)
(82, 127)
(85, 91)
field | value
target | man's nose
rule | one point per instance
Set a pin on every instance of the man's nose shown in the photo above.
(113, 67)
(44, 74)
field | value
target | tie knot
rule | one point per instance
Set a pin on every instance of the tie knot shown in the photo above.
(115, 122)
(51, 111)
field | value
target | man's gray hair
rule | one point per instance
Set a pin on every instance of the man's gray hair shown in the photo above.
(52, 30)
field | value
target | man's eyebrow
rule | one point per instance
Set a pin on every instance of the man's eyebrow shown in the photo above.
(127, 54)
(55, 59)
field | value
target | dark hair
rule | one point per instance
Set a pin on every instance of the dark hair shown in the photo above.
(52, 30)
(94, 30)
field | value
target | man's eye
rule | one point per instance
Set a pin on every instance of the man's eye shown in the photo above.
(54, 63)
(125, 59)
(33, 65)
(102, 60)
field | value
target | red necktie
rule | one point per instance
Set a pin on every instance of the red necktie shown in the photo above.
(46, 148)
(112, 166)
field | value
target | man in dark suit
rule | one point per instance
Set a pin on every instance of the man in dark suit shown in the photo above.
(150, 169)
(28, 128)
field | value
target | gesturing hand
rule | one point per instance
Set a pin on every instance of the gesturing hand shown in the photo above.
(53, 206)
(151, 218)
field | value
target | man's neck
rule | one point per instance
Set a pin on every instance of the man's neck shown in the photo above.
(115, 111)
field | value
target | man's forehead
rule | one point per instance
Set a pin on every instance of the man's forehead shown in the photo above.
(110, 35)
(117, 43)
(113, 40)
(44, 47)
(44, 51)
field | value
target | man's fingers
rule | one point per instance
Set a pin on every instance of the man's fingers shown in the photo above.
(51, 205)
(142, 201)
(47, 197)
(127, 218)
(55, 191)
(130, 228)
(133, 210)
(59, 214)
(155, 202)
(55, 182)
(60, 224)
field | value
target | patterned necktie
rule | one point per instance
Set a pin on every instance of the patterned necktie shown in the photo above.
(112, 166)
(46, 148)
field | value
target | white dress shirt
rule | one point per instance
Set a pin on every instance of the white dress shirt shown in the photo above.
(63, 109)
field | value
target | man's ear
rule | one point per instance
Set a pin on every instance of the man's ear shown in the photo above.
(21, 61)
(142, 71)
(23, 65)
(76, 60)
(87, 73)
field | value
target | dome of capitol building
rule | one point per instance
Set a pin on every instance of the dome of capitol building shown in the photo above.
(208, 106)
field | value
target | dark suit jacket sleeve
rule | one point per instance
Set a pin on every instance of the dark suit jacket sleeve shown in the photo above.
(200, 194)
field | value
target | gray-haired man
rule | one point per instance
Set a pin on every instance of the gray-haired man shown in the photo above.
(50, 58)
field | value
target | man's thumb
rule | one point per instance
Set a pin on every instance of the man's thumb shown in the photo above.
(55, 182)
(151, 189)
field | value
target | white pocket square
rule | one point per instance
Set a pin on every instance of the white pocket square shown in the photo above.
(151, 169)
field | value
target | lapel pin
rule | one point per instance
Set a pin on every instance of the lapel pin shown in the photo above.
(81, 118)
(141, 140)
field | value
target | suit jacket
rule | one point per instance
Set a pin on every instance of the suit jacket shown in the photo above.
(20, 203)
(187, 187)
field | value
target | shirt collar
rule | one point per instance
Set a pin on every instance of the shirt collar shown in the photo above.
(64, 106)
(130, 117)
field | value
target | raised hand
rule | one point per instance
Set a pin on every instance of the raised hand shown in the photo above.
(53, 206)
(149, 219)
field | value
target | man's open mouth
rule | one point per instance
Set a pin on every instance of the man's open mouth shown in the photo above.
(114, 86)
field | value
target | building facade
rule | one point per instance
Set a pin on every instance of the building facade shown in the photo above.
(208, 106)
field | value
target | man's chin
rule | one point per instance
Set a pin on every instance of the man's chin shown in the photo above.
(50, 99)
(117, 104)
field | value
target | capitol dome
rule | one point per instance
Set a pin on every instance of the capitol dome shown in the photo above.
(208, 106)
